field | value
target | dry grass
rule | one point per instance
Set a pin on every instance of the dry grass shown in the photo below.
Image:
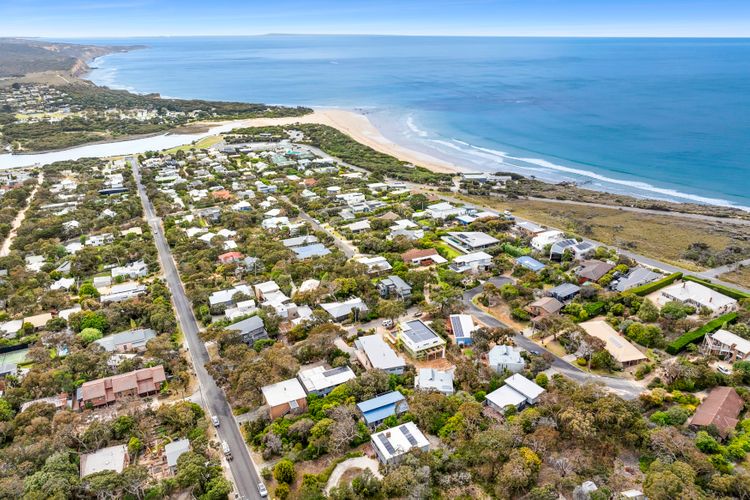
(660, 237)
(741, 276)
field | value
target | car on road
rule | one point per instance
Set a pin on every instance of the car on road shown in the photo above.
(418, 314)
(227, 451)
(262, 491)
(534, 352)
(215, 420)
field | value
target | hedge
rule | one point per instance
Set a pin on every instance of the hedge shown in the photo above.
(697, 335)
(593, 308)
(655, 285)
(725, 290)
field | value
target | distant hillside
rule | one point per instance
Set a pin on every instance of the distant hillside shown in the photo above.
(19, 57)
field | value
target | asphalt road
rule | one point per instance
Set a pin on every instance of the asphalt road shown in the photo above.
(242, 468)
(623, 388)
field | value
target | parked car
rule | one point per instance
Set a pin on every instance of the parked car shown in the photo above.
(262, 490)
(388, 323)
(724, 370)
(215, 420)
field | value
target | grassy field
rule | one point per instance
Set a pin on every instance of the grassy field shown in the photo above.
(204, 143)
(660, 237)
(741, 276)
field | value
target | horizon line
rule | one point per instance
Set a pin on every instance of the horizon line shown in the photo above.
(403, 35)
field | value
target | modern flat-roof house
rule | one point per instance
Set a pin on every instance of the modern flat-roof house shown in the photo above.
(321, 380)
(423, 257)
(420, 341)
(342, 311)
(578, 249)
(727, 345)
(462, 326)
(108, 390)
(358, 227)
(393, 287)
(475, 262)
(375, 265)
(377, 409)
(544, 306)
(392, 444)
(618, 346)
(518, 391)
(430, 379)
(173, 451)
(505, 357)
(250, 329)
(530, 263)
(240, 309)
(698, 296)
(541, 240)
(113, 458)
(133, 270)
(443, 210)
(225, 298)
(564, 292)
(287, 396)
(528, 228)
(636, 277)
(592, 270)
(471, 241)
(374, 353)
(265, 288)
(124, 291)
(721, 409)
(130, 340)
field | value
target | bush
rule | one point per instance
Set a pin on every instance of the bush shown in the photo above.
(697, 335)
(88, 335)
(656, 285)
(282, 491)
(542, 380)
(283, 471)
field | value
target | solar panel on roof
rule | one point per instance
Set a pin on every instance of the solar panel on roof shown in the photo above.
(336, 371)
(388, 446)
(407, 433)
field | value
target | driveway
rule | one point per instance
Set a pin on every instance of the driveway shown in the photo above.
(353, 463)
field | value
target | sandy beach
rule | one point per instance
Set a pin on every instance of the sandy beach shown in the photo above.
(359, 127)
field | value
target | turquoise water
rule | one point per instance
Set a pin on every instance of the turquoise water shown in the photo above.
(666, 118)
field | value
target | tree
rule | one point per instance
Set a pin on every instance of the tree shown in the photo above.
(58, 478)
(391, 309)
(648, 312)
(667, 481)
(88, 335)
(283, 471)
(88, 290)
(191, 470)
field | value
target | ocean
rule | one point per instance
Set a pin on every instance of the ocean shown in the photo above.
(659, 118)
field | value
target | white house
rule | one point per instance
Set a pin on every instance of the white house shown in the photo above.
(321, 380)
(444, 210)
(505, 357)
(392, 444)
(545, 238)
(698, 296)
(374, 353)
(473, 262)
(430, 379)
(518, 391)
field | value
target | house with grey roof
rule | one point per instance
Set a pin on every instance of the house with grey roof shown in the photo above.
(130, 340)
(564, 292)
(374, 353)
(341, 311)
(250, 329)
(637, 276)
(394, 287)
(430, 379)
(173, 451)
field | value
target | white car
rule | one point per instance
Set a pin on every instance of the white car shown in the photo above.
(724, 370)
(388, 323)
(262, 489)
(215, 420)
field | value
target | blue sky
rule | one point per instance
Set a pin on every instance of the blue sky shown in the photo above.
(122, 18)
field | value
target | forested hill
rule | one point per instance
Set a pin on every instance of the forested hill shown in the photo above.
(19, 57)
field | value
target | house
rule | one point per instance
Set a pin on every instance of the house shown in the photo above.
(173, 451)
(462, 326)
(250, 329)
(618, 346)
(224, 298)
(62, 284)
(528, 228)
(420, 341)
(530, 263)
(721, 409)
(544, 306)
(359, 226)
(113, 458)
(241, 309)
(423, 257)
(394, 287)
(373, 353)
(59, 401)
(564, 292)
(287, 396)
(133, 270)
(265, 289)
(309, 251)
(518, 391)
(475, 262)
(726, 345)
(129, 340)
(321, 380)
(377, 409)
(124, 291)
(505, 357)
(541, 240)
(392, 444)
(443, 210)
(375, 264)
(579, 249)
(592, 270)
(471, 241)
(299, 241)
(107, 390)
(699, 296)
(429, 379)
(342, 311)
(230, 257)
(636, 277)
(11, 328)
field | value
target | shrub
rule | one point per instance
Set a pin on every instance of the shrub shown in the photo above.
(656, 285)
(283, 471)
(282, 491)
(697, 335)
